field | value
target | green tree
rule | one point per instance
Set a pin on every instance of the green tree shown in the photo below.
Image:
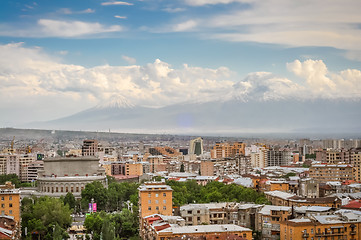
(43, 215)
(96, 191)
(182, 168)
(108, 230)
(70, 200)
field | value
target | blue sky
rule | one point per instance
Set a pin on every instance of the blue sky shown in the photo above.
(72, 55)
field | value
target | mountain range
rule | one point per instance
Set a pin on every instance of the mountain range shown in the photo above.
(228, 117)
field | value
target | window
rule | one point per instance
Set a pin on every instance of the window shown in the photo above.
(156, 208)
(2, 212)
(149, 201)
(66, 189)
(156, 195)
(156, 201)
(164, 194)
(3, 205)
(311, 230)
(149, 208)
(11, 212)
(10, 205)
(10, 198)
(164, 208)
(2, 198)
(164, 201)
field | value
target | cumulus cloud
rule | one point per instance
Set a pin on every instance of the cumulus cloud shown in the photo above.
(30, 76)
(60, 28)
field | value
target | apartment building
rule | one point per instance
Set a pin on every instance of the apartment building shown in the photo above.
(155, 198)
(223, 150)
(10, 201)
(159, 227)
(343, 225)
(331, 172)
(356, 162)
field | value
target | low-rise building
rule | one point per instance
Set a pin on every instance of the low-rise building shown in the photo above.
(343, 225)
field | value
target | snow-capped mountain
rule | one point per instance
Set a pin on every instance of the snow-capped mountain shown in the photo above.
(115, 102)
(231, 116)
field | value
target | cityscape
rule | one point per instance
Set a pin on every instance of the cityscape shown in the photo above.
(180, 120)
(61, 184)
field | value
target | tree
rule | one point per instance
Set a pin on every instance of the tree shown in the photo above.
(96, 191)
(182, 168)
(70, 200)
(44, 216)
(108, 230)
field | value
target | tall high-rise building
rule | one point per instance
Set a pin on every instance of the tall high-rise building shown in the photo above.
(277, 158)
(196, 146)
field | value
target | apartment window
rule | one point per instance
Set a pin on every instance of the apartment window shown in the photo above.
(11, 212)
(311, 230)
(2, 199)
(2, 205)
(164, 194)
(149, 201)
(10, 198)
(10, 205)
(3, 212)
(156, 208)
(164, 201)
(156, 195)
(156, 201)
(164, 208)
(149, 195)
(149, 208)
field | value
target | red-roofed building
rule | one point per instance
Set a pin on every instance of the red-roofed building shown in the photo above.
(354, 205)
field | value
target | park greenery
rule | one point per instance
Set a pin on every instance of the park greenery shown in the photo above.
(191, 192)
(14, 179)
(117, 207)
(45, 218)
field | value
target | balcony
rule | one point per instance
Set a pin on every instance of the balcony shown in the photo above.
(353, 232)
(305, 235)
(329, 234)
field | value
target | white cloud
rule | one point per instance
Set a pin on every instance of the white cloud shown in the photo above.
(129, 60)
(116, 3)
(30, 77)
(173, 10)
(120, 17)
(184, 26)
(290, 23)
(69, 11)
(59, 28)
(213, 2)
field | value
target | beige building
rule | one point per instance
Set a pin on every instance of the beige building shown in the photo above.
(155, 198)
(207, 168)
(330, 173)
(223, 150)
(356, 162)
(69, 174)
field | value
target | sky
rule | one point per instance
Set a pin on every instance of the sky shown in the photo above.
(61, 57)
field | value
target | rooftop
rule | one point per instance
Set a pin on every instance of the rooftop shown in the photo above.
(206, 229)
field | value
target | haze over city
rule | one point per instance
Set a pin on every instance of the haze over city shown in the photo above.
(181, 66)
